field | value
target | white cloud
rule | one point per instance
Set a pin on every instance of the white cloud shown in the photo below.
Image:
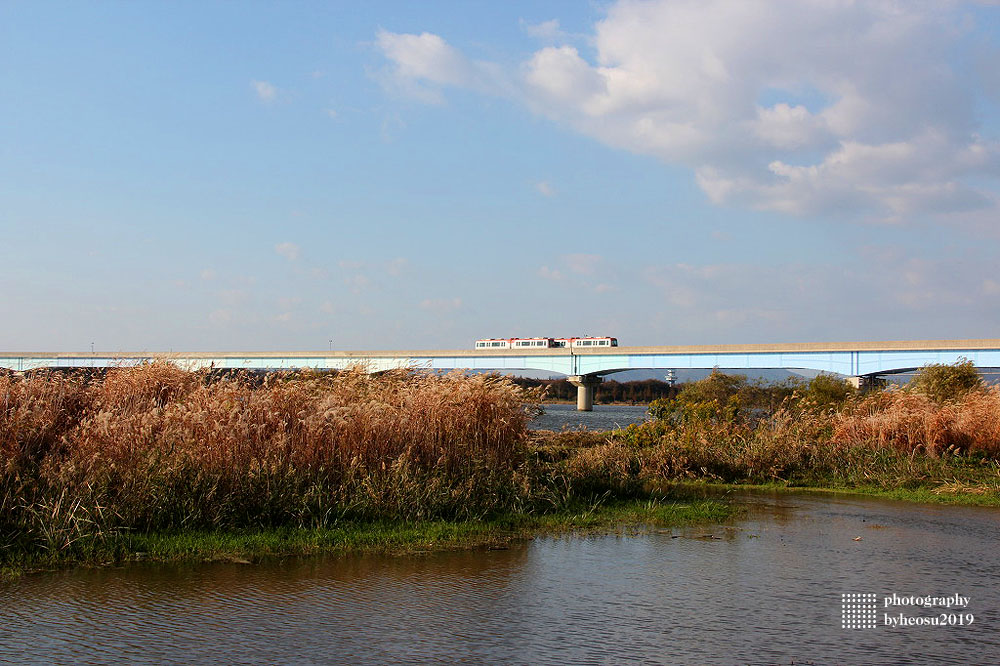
(288, 250)
(397, 266)
(583, 270)
(582, 264)
(265, 91)
(425, 56)
(544, 188)
(787, 127)
(550, 274)
(546, 30)
(207, 274)
(423, 63)
(804, 108)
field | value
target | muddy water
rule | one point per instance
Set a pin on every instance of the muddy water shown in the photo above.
(765, 589)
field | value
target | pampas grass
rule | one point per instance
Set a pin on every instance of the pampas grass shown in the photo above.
(911, 422)
(158, 448)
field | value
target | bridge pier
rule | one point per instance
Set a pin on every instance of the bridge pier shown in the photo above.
(585, 385)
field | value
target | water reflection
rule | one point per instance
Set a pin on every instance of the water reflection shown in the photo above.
(764, 589)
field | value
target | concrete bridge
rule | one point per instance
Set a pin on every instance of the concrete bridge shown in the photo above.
(862, 361)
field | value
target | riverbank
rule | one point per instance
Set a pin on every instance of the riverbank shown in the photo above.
(951, 494)
(156, 462)
(678, 508)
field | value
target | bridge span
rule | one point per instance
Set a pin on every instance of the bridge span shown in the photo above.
(863, 361)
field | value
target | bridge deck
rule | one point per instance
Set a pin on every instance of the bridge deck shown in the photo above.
(849, 358)
(770, 348)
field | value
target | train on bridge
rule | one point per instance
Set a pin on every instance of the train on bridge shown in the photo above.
(545, 343)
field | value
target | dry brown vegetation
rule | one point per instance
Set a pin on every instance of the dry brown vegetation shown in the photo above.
(157, 448)
(911, 422)
(819, 435)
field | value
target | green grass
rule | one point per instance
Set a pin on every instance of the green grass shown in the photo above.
(952, 495)
(394, 537)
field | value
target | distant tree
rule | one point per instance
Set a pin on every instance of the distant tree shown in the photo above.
(825, 392)
(715, 398)
(717, 387)
(943, 383)
(608, 391)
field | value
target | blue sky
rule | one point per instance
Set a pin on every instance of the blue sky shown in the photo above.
(416, 175)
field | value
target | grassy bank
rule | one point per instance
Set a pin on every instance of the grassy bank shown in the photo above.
(947, 494)
(251, 545)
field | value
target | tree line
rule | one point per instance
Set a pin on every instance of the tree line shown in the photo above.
(608, 391)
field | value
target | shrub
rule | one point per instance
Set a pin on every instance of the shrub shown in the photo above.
(825, 392)
(945, 383)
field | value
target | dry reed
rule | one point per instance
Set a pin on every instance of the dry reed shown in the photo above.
(911, 422)
(892, 439)
(158, 448)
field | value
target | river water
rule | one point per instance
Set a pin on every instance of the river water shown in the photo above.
(766, 588)
(604, 417)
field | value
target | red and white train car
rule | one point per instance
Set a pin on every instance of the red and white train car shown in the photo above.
(489, 344)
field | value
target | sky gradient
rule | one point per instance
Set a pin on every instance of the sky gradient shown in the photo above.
(208, 176)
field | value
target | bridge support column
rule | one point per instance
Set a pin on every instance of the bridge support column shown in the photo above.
(585, 385)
